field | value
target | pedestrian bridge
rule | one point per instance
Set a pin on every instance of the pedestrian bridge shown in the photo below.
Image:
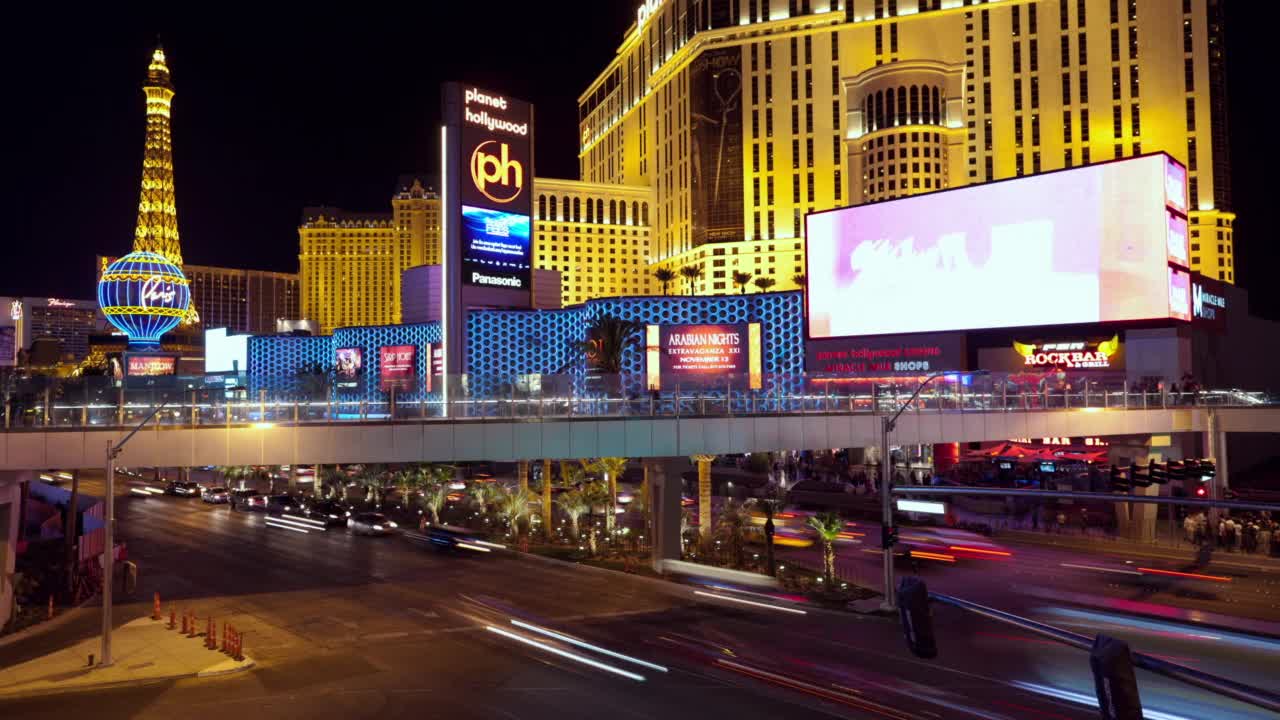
(274, 433)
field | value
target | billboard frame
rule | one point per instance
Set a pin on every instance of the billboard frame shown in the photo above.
(1102, 324)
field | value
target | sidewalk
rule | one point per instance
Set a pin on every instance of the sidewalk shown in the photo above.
(144, 651)
(1074, 540)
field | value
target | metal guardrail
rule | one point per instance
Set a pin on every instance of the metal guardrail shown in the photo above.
(1219, 685)
(192, 403)
(943, 490)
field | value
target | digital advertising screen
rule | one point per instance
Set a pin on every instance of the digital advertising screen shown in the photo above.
(397, 367)
(1081, 246)
(886, 354)
(496, 251)
(713, 354)
(347, 365)
(150, 365)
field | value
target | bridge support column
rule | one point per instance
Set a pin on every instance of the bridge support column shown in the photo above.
(293, 477)
(1215, 444)
(546, 499)
(704, 494)
(664, 506)
(522, 474)
(12, 486)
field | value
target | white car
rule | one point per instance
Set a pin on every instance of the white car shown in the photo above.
(215, 495)
(370, 523)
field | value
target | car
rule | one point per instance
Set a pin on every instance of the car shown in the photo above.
(280, 504)
(215, 495)
(449, 537)
(244, 499)
(182, 488)
(370, 523)
(330, 512)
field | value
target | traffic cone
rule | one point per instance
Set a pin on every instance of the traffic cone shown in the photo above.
(155, 610)
(173, 617)
(185, 618)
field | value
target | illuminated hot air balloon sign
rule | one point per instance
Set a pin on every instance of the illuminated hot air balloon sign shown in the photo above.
(145, 296)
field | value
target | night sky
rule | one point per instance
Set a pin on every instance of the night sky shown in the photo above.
(277, 112)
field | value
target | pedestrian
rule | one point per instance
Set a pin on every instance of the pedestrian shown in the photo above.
(1062, 520)
(1084, 521)
(1230, 535)
(1189, 528)
(1035, 518)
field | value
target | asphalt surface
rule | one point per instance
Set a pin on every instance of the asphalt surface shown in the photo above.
(357, 627)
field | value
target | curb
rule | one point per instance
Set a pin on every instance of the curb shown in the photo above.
(671, 587)
(48, 625)
(118, 684)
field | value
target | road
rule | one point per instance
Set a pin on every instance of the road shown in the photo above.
(356, 627)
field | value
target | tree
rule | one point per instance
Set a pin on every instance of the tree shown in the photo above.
(741, 279)
(607, 337)
(800, 279)
(764, 283)
(828, 525)
(691, 274)
(407, 481)
(732, 530)
(483, 494)
(331, 482)
(433, 500)
(596, 494)
(313, 380)
(574, 504)
(372, 478)
(664, 276)
(514, 505)
(609, 468)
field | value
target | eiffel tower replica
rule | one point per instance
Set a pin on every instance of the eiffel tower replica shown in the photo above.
(157, 229)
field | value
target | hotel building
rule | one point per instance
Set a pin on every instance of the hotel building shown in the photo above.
(745, 115)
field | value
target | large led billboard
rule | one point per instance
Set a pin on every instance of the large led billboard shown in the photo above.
(496, 251)
(702, 354)
(1089, 245)
(495, 189)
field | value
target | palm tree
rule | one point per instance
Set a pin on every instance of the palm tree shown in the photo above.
(574, 504)
(371, 478)
(331, 482)
(828, 525)
(596, 494)
(483, 494)
(800, 279)
(764, 283)
(433, 500)
(607, 337)
(609, 468)
(270, 471)
(513, 505)
(665, 276)
(732, 529)
(407, 481)
(741, 279)
(691, 274)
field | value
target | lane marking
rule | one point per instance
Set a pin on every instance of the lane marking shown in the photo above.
(1100, 569)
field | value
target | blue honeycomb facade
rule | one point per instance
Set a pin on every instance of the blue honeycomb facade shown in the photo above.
(275, 359)
(503, 345)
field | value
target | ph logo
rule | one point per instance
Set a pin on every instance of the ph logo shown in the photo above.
(496, 176)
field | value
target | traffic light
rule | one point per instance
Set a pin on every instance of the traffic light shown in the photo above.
(888, 536)
(1119, 481)
(1138, 478)
(1157, 472)
(1176, 470)
(1113, 679)
(1202, 490)
(917, 617)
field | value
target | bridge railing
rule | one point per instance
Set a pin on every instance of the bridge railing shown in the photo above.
(41, 403)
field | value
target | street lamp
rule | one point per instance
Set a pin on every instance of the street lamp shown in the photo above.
(108, 533)
(887, 539)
